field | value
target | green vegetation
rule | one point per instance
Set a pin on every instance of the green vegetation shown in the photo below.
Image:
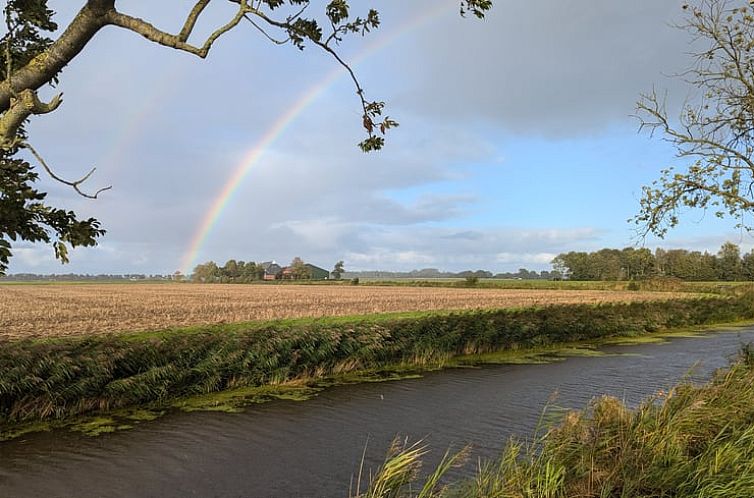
(658, 284)
(606, 265)
(728, 265)
(232, 401)
(59, 378)
(691, 441)
(243, 272)
(338, 270)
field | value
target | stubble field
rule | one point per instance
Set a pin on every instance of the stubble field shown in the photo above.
(66, 310)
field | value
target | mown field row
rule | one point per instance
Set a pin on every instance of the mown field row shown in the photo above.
(67, 310)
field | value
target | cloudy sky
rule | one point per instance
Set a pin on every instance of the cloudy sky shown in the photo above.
(516, 140)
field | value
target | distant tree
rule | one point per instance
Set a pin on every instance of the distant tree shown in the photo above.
(560, 266)
(637, 264)
(250, 272)
(682, 264)
(260, 272)
(206, 273)
(672, 262)
(606, 264)
(426, 273)
(338, 270)
(230, 270)
(576, 266)
(747, 266)
(729, 262)
(699, 266)
(553, 275)
(299, 269)
(525, 274)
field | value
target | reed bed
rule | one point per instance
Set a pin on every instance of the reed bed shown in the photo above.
(68, 376)
(68, 310)
(694, 441)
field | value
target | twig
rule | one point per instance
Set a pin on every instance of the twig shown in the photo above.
(74, 184)
(265, 33)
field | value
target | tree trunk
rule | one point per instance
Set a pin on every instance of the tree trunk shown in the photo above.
(44, 67)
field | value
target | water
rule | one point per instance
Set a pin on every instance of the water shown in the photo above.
(312, 448)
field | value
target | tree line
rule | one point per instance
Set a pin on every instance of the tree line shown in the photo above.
(241, 272)
(87, 277)
(425, 273)
(728, 264)
(231, 271)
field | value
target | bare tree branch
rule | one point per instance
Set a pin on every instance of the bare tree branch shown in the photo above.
(75, 184)
(265, 33)
(193, 16)
(370, 110)
(178, 42)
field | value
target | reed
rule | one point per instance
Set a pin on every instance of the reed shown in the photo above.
(53, 379)
(692, 441)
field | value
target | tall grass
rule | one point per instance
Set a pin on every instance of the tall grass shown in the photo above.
(695, 441)
(59, 378)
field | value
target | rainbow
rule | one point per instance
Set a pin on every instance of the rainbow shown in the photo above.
(133, 125)
(254, 154)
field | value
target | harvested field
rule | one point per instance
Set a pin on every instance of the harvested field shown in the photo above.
(64, 310)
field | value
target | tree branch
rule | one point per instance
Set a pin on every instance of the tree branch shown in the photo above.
(22, 106)
(43, 68)
(265, 33)
(178, 42)
(75, 184)
(370, 109)
(193, 16)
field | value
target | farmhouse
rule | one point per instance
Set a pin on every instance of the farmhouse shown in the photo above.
(273, 271)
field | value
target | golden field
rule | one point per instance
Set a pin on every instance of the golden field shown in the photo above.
(58, 310)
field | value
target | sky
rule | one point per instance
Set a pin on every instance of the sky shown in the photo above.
(516, 140)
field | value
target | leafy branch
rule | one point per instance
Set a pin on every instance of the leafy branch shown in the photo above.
(714, 132)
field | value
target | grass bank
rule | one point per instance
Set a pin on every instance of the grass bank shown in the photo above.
(692, 441)
(56, 379)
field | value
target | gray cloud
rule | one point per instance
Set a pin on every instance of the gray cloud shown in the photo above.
(497, 249)
(553, 68)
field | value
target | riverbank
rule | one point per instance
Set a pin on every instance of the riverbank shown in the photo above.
(53, 380)
(689, 441)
